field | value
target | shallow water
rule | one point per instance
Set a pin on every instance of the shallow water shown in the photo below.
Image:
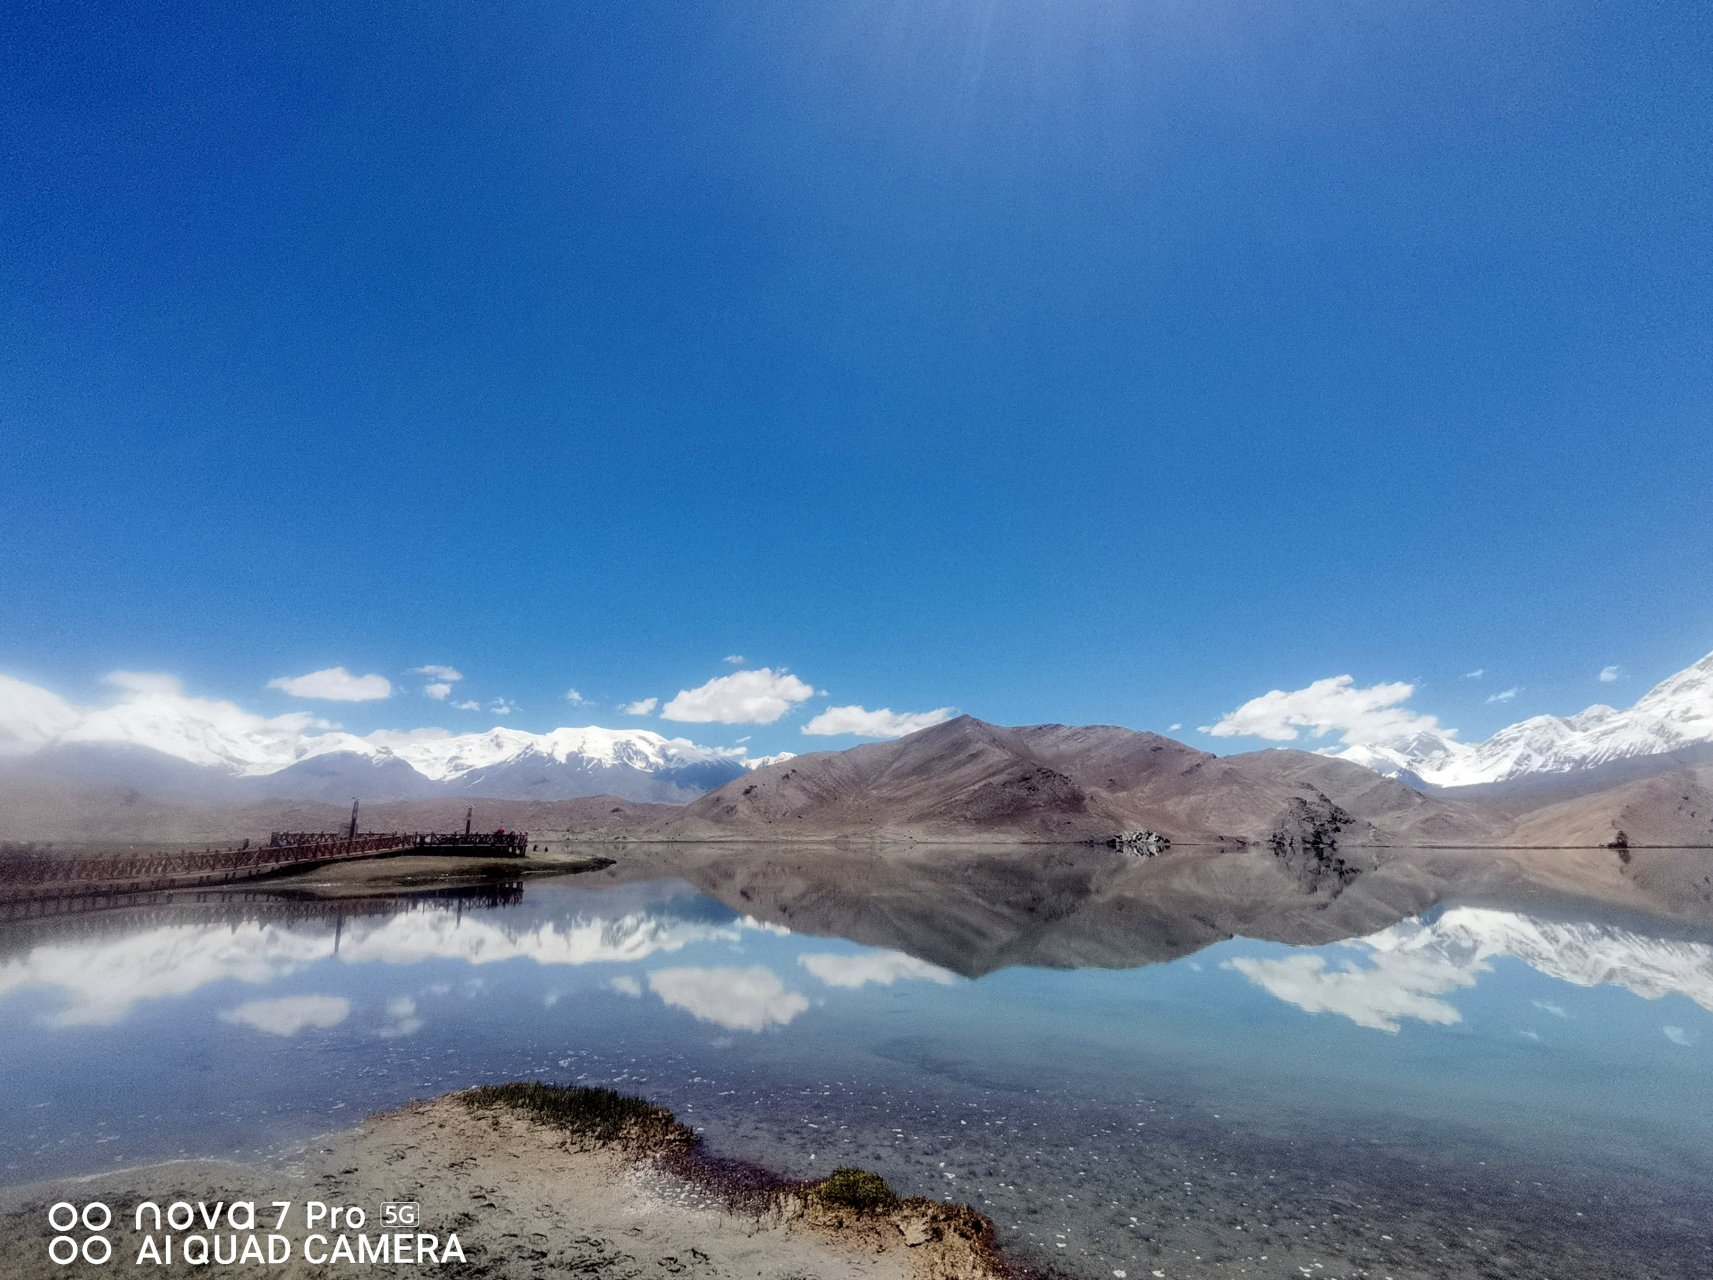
(1473, 1092)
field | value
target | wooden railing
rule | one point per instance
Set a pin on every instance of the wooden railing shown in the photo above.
(33, 875)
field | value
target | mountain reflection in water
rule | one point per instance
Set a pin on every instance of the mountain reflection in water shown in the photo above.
(1031, 1042)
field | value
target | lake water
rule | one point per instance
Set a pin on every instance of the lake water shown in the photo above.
(1476, 1092)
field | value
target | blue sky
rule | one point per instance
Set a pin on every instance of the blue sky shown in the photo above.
(1082, 361)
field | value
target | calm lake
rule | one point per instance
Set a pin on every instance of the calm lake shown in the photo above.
(1477, 1091)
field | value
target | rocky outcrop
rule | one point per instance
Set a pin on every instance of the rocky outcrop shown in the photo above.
(1306, 841)
(1144, 844)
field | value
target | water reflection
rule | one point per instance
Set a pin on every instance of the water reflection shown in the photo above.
(747, 999)
(103, 973)
(1470, 1034)
(1407, 971)
(288, 1015)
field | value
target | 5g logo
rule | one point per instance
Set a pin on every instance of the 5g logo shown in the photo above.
(94, 1248)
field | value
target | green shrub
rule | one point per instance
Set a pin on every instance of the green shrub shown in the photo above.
(599, 1115)
(855, 1189)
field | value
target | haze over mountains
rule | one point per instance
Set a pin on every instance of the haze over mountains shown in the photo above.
(157, 738)
(634, 764)
(1645, 772)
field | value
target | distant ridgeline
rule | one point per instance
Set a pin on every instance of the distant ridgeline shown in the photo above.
(1646, 772)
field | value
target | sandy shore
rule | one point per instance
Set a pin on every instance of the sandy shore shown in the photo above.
(523, 1198)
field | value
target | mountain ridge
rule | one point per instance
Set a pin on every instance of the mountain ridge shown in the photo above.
(963, 781)
(1640, 776)
(1675, 714)
(968, 779)
(637, 764)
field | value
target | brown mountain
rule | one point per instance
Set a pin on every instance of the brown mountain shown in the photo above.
(970, 780)
(1671, 807)
(962, 781)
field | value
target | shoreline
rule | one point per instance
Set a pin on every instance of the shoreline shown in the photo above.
(533, 1179)
(1241, 886)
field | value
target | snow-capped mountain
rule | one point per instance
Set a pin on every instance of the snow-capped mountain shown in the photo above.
(450, 758)
(1674, 714)
(633, 763)
(155, 728)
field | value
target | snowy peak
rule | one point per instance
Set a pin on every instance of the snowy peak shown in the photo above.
(450, 757)
(214, 734)
(1676, 713)
(154, 715)
(1683, 701)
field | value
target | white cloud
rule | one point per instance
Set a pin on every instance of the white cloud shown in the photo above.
(880, 967)
(1611, 673)
(500, 707)
(733, 659)
(469, 704)
(401, 1020)
(1547, 1006)
(574, 698)
(440, 680)
(881, 723)
(1332, 705)
(1475, 674)
(641, 707)
(154, 712)
(1395, 986)
(290, 1014)
(1173, 728)
(1506, 695)
(760, 696)
(626, 985)
(1678, 1036)
(31, 717)
(335, 684)
(737, 999)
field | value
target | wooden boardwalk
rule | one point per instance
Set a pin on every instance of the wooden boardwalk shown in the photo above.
(35, 881)
(30, 922)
